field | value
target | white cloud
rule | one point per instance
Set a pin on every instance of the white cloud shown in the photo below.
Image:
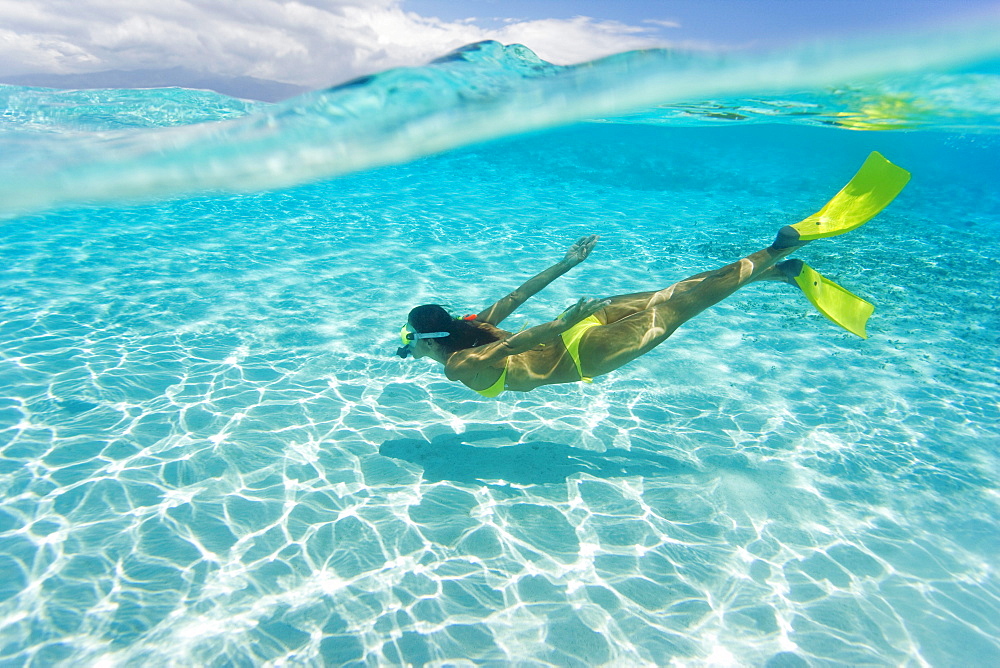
(564, 41)
(662, 24)
(306, 42)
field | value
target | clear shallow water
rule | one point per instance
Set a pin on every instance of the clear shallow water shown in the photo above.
(208, 454)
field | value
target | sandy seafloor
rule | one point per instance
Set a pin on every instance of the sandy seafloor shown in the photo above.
(209, 455)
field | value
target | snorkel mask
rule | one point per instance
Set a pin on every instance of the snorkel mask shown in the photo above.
(408, 336)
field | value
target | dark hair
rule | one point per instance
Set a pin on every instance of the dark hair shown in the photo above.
(462, 333)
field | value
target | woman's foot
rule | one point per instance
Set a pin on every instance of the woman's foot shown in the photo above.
(782, 272)
(790, 269)
(788, 237)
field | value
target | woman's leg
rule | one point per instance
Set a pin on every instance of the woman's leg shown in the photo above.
(639, 322)
(623, 306)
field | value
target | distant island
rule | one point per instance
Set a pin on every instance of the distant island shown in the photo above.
(247, 88)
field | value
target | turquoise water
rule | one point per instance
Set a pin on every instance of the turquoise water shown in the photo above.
(209, 455)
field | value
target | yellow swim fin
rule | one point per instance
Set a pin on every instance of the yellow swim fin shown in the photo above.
(872, 189)
(839, 305)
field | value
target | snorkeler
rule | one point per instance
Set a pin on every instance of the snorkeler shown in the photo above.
(596, 336)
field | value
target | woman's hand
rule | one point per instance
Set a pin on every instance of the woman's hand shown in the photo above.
(587, 306)
(579, 251)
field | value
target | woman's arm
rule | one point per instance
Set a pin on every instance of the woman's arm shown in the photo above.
(466, 364)
(496, 313)
(531, 337)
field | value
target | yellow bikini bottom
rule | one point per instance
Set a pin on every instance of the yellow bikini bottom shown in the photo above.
(571, 339)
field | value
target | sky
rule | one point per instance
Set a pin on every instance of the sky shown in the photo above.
(317, 43)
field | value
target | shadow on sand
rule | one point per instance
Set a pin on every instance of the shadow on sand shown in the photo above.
(457, 458)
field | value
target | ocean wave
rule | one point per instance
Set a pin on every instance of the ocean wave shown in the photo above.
(72, 148)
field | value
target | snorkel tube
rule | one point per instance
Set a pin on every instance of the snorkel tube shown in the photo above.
(408, 336)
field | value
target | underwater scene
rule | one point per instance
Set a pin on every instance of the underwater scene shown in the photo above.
(210, 454)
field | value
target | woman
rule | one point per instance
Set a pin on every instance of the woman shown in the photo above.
(596, 336)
